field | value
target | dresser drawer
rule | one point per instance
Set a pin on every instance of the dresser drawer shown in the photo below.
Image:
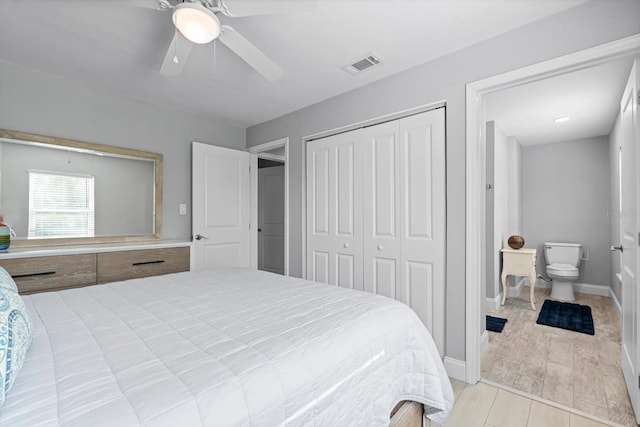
(524, 260)
(39, 274)
(124, 265)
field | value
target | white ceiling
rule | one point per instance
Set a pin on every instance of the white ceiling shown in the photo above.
(119, 47)
(589, 97)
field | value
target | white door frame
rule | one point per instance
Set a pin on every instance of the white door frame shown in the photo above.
(475, 177)
(259, 151)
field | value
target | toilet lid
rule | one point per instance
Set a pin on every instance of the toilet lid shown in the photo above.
(562, 269)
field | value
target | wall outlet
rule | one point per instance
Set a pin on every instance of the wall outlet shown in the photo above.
(183, 209)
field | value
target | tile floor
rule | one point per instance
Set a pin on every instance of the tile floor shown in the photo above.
(483, 405)
(573, 369)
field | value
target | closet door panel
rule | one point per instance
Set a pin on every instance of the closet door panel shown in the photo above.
(384, 183)
(334, 227)
(381, 209)
(345, 200)
(345, 271)
(318, 221)
(384, 277)
(423, 225)
(346, 208)
(320, 191)
(320, 267)
(417, 185)
(418, 290)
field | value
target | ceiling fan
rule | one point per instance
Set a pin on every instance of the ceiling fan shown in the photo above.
(196, 21)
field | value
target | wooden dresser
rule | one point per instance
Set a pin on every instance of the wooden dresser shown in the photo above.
(68, 268)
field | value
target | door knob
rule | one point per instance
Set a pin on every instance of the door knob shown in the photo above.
(346, 245)
(379, 247)
(200, 237)
(259, 230)
(616, 248)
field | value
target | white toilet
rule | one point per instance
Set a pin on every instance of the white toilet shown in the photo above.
(563, 260)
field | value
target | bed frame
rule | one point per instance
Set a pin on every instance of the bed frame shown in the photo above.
(407, 414)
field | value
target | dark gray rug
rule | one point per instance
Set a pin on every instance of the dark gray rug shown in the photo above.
(495, 324)
(565, 315)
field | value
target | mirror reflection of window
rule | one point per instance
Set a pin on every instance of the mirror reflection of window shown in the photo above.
(61, 205)
(126, 194)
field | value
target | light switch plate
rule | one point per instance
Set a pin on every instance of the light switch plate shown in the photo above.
(183, 209)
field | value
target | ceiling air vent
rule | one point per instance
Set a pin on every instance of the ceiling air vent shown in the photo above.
(362, 64)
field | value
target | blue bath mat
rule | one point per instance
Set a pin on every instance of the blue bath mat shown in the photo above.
(495, 324)
(573, 317)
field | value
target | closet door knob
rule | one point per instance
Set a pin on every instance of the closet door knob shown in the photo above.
(379, 247)
(346, 245)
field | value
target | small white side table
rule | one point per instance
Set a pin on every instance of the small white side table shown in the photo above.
(519, 262)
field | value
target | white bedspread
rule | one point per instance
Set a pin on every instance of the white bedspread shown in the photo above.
(228, 347)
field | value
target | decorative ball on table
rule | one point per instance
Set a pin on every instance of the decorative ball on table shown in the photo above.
(515, 241)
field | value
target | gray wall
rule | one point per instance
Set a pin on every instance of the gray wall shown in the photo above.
(44, 104)
(615, 141)
(503, 202)
(584, 26)
(566, 191)
(123, 188)
(514, 186)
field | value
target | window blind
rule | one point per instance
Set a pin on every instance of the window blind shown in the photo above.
(61, 205)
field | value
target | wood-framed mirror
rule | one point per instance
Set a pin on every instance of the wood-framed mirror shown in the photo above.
(56, 191)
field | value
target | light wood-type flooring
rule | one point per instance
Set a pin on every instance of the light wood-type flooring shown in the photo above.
(577, 370)
(483, 405)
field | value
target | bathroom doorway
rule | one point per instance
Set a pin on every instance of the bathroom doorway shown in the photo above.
(270, 206)
(557, 181)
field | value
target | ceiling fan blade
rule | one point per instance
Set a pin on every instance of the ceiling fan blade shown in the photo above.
(179, 47)
(147, 4)
(239, 8)
(251, 54)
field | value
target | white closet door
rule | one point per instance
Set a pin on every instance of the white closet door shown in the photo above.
(376, 213)
(334, 211)
(423, 224)
(381, 205)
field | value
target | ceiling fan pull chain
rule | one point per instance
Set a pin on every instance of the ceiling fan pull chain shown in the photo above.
(175, 48)
(215, 57)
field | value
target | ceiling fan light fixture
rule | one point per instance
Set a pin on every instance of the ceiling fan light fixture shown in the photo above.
(197, 23)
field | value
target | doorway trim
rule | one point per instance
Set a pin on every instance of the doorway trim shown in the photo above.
(260, 151)
(475, 176)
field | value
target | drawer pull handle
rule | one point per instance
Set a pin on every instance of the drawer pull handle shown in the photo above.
(44, 273)
(160, 261)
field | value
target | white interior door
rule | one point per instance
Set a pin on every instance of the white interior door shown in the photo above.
(334, 210)
(404, 221)
(271, 219)
(423, 225)
(381, 204)
(221, 207)
(629, 236)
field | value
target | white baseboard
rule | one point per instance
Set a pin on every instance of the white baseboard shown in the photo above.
(616, 303)
(514, 291)
(484, 342)
(491, 304)
(583, 288)
(586, 288)
(455, 368)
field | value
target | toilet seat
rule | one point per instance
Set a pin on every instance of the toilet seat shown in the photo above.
(562, 270)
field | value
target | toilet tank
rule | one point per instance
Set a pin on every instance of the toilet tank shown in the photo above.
(563, 253)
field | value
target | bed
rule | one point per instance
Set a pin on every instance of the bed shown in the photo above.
(229, 347)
